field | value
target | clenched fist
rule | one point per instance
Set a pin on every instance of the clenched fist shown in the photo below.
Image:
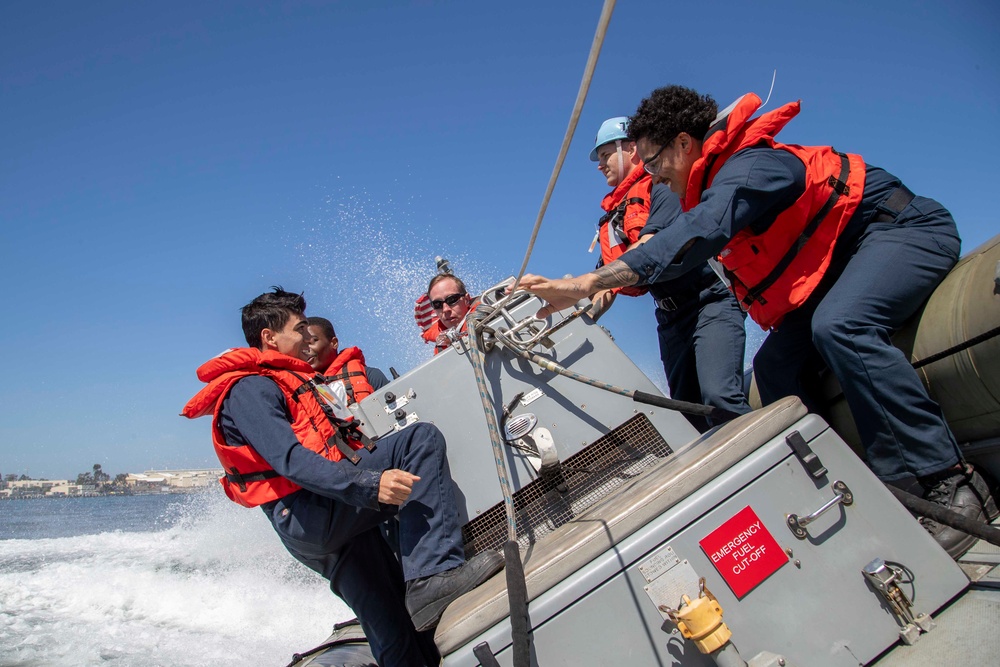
(395, 486)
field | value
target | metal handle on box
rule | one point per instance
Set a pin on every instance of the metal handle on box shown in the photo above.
(798, 524)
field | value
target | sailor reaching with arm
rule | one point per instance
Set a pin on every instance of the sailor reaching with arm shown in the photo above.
(829, 254)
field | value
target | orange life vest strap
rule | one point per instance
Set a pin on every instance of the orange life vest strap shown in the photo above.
(619, 210)
(840, 187)
(346, 376)
(344, 429)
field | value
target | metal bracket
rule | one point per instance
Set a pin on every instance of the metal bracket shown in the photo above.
(798, 524)
(885, 578)
(805, 454)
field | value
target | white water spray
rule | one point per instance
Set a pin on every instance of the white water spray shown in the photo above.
(215, 588)
(368, 261)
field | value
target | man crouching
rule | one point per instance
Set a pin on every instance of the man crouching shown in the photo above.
(287, 447)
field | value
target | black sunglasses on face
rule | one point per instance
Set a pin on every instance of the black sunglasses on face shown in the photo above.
(451, 300)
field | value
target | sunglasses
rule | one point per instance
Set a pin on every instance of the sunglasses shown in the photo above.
(450, 300)
(652, 164)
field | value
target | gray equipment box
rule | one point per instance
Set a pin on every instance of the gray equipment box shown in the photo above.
(602, 440)
(595, 584)
(637, 508)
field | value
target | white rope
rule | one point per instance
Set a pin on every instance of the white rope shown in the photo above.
(774, 77)
(581, 97)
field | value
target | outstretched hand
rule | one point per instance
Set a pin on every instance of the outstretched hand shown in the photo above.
(560, 293)
(395, 486)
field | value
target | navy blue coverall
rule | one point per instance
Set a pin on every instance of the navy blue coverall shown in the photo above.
(882, 271)
(332, 524)
(376, 378)
(700, 328)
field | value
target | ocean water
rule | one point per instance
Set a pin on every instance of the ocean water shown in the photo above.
(171, 580)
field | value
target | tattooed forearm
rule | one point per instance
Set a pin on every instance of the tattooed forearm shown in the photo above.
(615, 274)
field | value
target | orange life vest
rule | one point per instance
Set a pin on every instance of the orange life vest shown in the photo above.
(775, 271)
(431, 333)
(249, 479)
(349, 367)
(627, 209)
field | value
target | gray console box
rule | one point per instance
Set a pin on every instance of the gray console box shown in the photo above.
(594, 584)
(443, 391)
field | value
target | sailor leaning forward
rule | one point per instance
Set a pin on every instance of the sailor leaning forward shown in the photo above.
(831, 254)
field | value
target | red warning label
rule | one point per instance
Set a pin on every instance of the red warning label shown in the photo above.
(743, 551)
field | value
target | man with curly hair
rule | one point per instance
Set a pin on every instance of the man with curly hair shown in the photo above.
(828, 253)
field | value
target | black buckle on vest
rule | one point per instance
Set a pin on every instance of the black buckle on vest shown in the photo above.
(236, 478)
(840, 187)
(345, 433)
(338, 441)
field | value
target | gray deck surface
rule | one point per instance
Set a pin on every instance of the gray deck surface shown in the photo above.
(968, 630)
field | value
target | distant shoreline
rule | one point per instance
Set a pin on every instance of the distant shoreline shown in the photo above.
(170, 492)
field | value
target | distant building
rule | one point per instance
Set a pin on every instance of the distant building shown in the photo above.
(41, 487)
(173, 480)
(65, 488)
(150, 481)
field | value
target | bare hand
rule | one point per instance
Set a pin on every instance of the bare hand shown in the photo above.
(395, 486)
(559, 293)
(600, 303)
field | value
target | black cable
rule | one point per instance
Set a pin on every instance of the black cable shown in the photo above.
(975, 340)
(943, 515)
(937, 356)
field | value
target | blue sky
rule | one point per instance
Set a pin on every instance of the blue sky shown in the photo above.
(163, 163)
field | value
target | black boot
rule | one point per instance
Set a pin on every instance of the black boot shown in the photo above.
(960, 489)
(427, 598)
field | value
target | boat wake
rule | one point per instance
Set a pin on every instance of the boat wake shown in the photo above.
(215, 587)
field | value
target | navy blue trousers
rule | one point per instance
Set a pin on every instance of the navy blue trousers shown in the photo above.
(876, 282)
(344, 544)
(702, 345)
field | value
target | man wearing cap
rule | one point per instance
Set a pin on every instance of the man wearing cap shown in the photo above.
(699, 324)
(829, 253)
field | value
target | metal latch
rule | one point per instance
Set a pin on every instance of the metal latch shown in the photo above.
(805, 454)
(484, 654)
(798, 524)
(885, 579)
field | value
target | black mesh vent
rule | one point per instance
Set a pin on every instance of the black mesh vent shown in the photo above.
(585, 478)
